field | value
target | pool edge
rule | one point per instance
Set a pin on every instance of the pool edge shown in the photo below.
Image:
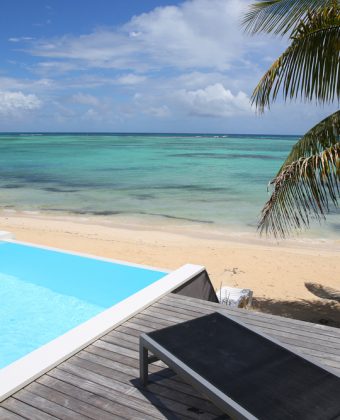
(25, 370)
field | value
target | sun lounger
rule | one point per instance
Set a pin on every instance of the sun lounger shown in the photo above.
(246, 374)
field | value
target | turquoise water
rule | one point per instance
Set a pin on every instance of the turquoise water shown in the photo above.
(217, 180)
(44, 294)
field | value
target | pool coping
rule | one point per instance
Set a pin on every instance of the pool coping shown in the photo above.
(26, 369)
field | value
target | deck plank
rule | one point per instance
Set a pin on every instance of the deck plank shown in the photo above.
(78, 406)
(293, 323)
(159, 399)
(162, 309)
(134, 372)
(165, 388)
(104, 392)
(101, 381)
(309, 336)
(301, 339)
(157, 367)
(47, 406)
(247, 316)
(8, 415)
(96, 405)
(25, 411)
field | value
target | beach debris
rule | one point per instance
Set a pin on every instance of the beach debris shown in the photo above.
(323, 292)
(233, 271)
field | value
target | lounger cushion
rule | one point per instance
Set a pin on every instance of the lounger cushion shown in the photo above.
(266, 379)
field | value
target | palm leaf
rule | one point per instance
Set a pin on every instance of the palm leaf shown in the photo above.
(302, 190)
(323, 135)
(310, 66)
(279, 16)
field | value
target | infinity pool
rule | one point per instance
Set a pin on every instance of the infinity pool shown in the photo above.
(45, 293)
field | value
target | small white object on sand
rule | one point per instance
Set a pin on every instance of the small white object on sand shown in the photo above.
(232, 296)
(6, 235)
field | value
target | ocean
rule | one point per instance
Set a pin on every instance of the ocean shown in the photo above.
(217, 180)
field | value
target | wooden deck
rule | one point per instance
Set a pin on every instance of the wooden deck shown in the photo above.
(101, 381)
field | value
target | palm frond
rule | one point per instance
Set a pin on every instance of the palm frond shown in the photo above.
(323, 135)
(310, 66)
(279, 16)
(303, 189)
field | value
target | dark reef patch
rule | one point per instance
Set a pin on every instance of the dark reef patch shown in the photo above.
(143, 196)
(59, 190)
(11, 186)
(168, 216)
(226, 156)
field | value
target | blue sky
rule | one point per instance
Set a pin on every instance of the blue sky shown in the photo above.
(137, 66)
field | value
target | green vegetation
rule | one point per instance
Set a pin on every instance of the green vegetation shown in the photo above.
(309, 180)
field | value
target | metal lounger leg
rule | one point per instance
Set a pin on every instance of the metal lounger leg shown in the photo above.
(143, 364)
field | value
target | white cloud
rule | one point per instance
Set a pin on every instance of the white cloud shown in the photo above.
(235, 80)
(157, 111)
(92, 114)
(14, 103)
(85, 99)
(214, 101)
(199, 33)
(20, 39)
(100, 49)
(130, 79)
(10, 83)
(196, 33)
(56, 67)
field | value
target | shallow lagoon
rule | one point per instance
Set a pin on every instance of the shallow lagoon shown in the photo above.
(202, 178)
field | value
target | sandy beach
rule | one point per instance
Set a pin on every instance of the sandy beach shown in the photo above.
(295, 278)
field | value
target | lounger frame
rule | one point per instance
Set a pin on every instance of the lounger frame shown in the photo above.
(220, 399)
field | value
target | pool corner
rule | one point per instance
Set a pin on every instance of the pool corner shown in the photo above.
(25, 370)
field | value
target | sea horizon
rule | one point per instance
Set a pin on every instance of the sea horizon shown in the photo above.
(144, 133)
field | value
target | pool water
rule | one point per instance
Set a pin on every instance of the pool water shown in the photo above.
(45, 293)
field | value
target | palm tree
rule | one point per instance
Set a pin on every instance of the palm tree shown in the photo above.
(309, 180)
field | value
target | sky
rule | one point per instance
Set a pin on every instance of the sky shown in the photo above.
(138, 66)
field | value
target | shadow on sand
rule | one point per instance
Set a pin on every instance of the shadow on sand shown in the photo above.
(325, 312)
